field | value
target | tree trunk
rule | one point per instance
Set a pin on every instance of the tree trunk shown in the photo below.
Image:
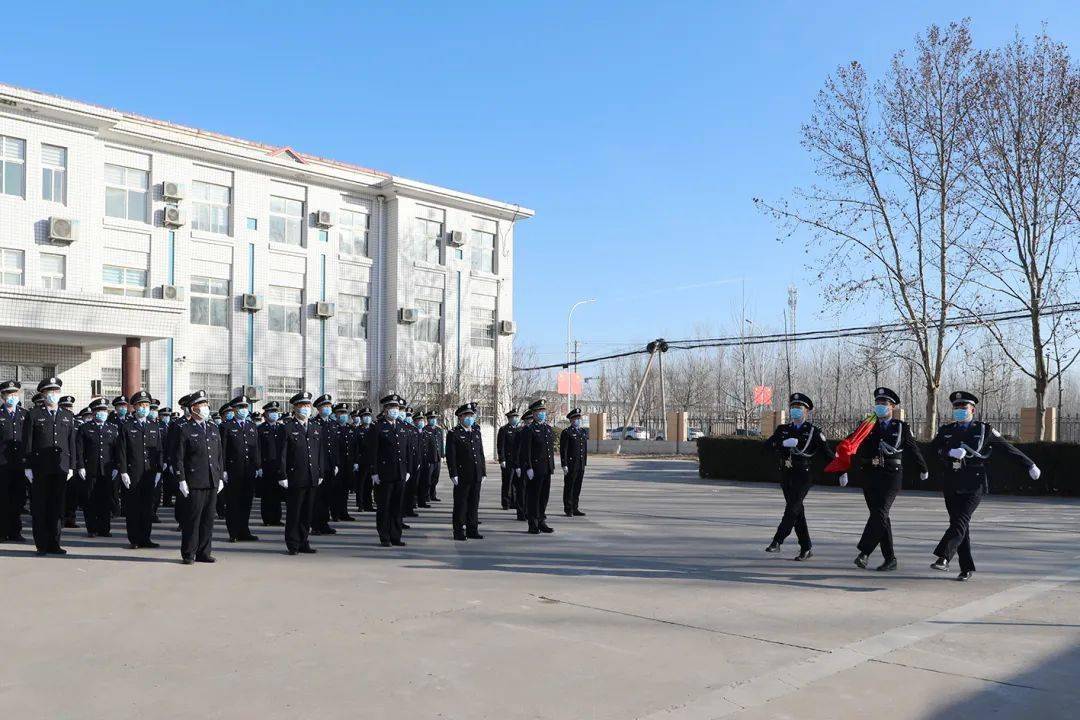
(930, 425)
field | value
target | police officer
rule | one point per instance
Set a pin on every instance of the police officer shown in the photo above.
(517, 458)
(965, 446)
(341, 448)
(322, 417)
(428, 455)
(467, 467)
(243, 468)
(271, 436)
(434, 427)
(12, 462)
(119, 416)
(97, 456)
(168, 481)
(388, 445)
(573, 456)
(49, 447)
(408, 496)
(172, 438)
(538, 463)
(504, 451)
(881, 457)
(140, 466)
(75, 496)
(363, 462)
(120, 410)
(301, 456)
(200, 469)
(796, 444)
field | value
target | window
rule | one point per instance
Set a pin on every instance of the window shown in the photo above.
(54, 173)
(11, 267)
(353, 228)
(209, 301)
(282, 388)
(428, 231)
(216, 386)
(429, 325)
(252, 223)
(352, 316)
(284, 307)
(123, 281)
(125, 193)
(286, 219)
(111, 384)
(483, 395)
(353, 392)
(13, 161)
(483, 250)
(29, 376)
(53, 271)
(482, 332)
(210, 207)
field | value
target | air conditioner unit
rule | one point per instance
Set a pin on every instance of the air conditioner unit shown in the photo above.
(172, 216)
(324, 309)
(324, 219)
(251, 302)
(250, 392)
(172, 292)
(172, 191)
(507, 327)
(62, 230)
(407, 316)
(455, 238)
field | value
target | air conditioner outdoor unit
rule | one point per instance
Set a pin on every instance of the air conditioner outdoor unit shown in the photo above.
(172, 292)
(455, 238)
(324, 309)
(324, 219)
(62, 230)
(507, 327)
(407, 316)
(251, 302)
(172, 191)
(172, 216)
(250, 392)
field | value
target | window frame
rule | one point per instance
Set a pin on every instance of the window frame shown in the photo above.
(5, 270)
(128, 189)
(353, 322)
(286, 218)
(44, 277)
(479, 334)
(211, 299)
(6, 162)
(424, 321)
(278, 309)
(353, 230)
(50, 173)
(479, 252)
(124, 286)
(212, 206)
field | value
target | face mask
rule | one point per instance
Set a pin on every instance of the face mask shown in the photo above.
(960, 414)
(229, 415)
(343, 419)
(365, 419)
(882, 411)
(468, 421)
(325, 411)
(419, 422)
(393, 413)
(514, 422)
(304, 411)
(165, 419)
(576, 423)
(52, 398)
(797, 414)
(141, 413)
(153, 415)
(243, 413)
(541, 416)
(432, 422)
(122, 411)
(204, 412)
(274, 416)
(101, 415)
(11, 400)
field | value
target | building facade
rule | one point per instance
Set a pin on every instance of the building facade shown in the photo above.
(139, 253)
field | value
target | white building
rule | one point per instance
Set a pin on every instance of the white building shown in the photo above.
(208, 262)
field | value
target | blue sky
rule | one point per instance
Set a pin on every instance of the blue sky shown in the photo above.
(639, 132)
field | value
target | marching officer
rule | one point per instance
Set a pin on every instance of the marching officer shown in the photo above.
(75, 494)
(408, 493)
(341, 431)
(467, 468)
(271, 436)
(97, 456)
(881, 456)
(796, 444)
(172, 438)
(504, 451)
(388, 446)
(517, 458)
(140, 464)
(538, 463)
(322, 416)
(429, 455)
(243, 468)
(12, 462)
(120, 415)
(363, 463)
(49, 447)
(573, 456)
(965, 446)
(301, 456)
(200, 469)
(168, 480)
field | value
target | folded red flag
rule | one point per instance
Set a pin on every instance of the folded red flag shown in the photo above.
(845, 449)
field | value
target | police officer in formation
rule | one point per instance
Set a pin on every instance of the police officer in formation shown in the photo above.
(965, 446)
(388, 447)
(796, 444)
(573, 456)
(467, 467)
(243, 469)
(517, 460)
(302, 453)
(199, 462)
(271, 438)
(430, 454)
(49, 447)
(435, 429)
(341, 479)
(362, 460)
(504, 452)
(97, 456)
(12, 462)
(140, 465)
(412, 455)
(538, 462)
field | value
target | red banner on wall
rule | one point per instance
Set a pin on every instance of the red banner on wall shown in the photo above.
(569, 383)
(762, 395)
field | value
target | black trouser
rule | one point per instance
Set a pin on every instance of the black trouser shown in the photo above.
(339, 491)
(299, 505)
(320, 505)
(408, 491)
(364, 490)
(519, 492)
(12, 500)
(423, 482)
(221, 505)
(795, 484)
(467, 505)
(881, 489)
(98, 511)
(197, 523)
(139, 508)
(571, 492)
(435, 478)
(388, 510)
(506, 494)
(536, 496)
(168, 488)
(75, 497)
(47, 507)
(957, 539)
(239, 494)
(271, 496)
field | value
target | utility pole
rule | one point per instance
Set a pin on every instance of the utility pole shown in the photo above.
(663, 393)
(655, 348)
(793, 302)
(574, 397)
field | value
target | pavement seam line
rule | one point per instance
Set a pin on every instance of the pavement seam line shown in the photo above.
(957, 674)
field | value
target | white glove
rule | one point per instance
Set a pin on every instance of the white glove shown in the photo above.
(454, 480)
(319, 482)
(407, 476)
(258, 473)
(356, 467)
(924, 476)
(70, 473)
(336, 470)
(184, 490)
(375, 479)
(843, 480)
(790, 442)
(517, 471)
(483, 478)
(565, 471)
(958, 453)
(82, 473)
(502, 464)
(224, 478)
(283, 483)
(220, 485)
(165, 468)
(157, 479)
(29, 474)
(114, 473)
(529, 473)
(126, 479)
(1034, 472)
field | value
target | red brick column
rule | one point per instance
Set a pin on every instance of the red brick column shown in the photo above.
(131, 366)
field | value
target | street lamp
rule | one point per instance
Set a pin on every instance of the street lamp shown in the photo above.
(569, 342)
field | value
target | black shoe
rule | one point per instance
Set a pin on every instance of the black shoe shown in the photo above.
(155, 519)
(521, 516)
(91, 534)
(545, 528)
(424, 505)
(232, 539)
(397, 543)
(249, 538)
(435, 499)
(133, 546)
(151, 544)
(568, 513)
(805, 554)
(206, 559)
(861, 560)
(291, 552)
(347, 518)
(385, 543)
(474, 535)
(888, 566)
(18, 539)
(308, 550)
(460, 536)
(186, 561)
(966, 575)
(58, 551)
(533, 530)
(41, 553)
(317, 531)
(106, 534)
(406, 526)
(578, 513)
(506, 506)
(70, 524)
(774, 547)
(368, 508)
(940, 564)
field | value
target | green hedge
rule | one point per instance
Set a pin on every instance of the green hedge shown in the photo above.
(741, 458)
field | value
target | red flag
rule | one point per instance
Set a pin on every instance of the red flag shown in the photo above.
(845, 449)
(762, 395)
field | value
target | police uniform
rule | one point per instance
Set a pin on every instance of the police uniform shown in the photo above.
(429, 455)
(75, 496)
(965, 449)
(388, 445)
(49, 447)
(440, 446)
(573, 456)
(118, 417)
(363, 462)
(172, 438)
(168, 480)
(140, 465)
(243, 468)
(199, 465)
(504, 451)
(341, 456)
(796, 445)
(12, 463)
(517, 459)
(467, 467)
(301, 456)
(271, 436)
(881, 458)
(320, 514)
(538, 465)
(97, 456)
(412, 454)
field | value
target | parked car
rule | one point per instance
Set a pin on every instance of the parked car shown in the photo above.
(630, 432)
(694, 433)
